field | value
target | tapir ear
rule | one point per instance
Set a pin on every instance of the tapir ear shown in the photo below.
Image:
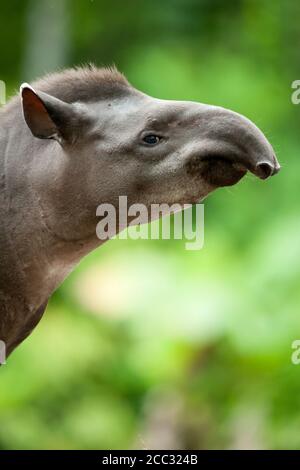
(47, 117)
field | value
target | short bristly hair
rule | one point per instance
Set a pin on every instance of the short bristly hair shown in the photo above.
(87, 83)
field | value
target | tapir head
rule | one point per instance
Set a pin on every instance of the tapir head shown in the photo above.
(116, 140)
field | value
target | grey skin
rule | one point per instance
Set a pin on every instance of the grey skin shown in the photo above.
(74, 140)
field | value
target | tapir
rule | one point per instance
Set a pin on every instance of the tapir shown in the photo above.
(84, 136)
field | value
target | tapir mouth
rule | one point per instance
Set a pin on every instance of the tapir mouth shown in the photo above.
(222, 170)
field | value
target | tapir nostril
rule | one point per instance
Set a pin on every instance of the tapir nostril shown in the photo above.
(265, 169)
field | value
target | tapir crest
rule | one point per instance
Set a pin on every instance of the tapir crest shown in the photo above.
(85, 136)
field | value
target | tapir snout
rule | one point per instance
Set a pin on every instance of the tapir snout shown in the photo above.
(251, 149)
(229, 144)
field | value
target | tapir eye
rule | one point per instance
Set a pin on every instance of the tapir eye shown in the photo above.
(151, 139)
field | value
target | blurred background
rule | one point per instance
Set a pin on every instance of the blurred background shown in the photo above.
(148, 345)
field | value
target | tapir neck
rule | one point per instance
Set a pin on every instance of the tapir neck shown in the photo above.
(49, 236)
(41, 241)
